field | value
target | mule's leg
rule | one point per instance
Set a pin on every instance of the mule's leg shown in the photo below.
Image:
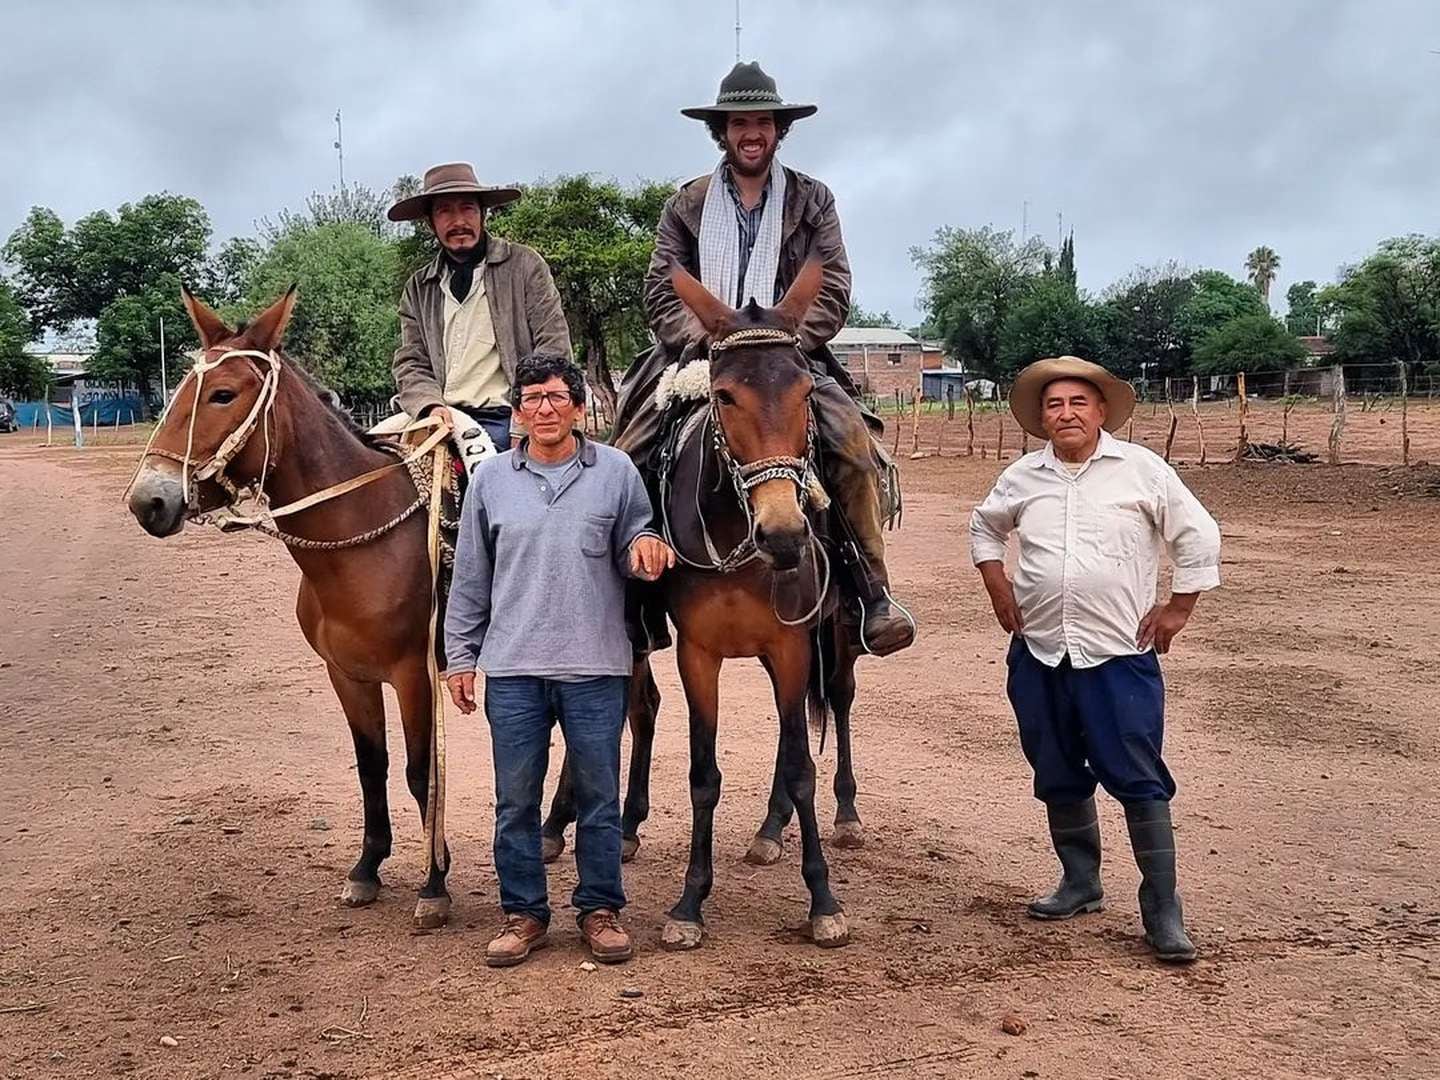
(642, 708)
(791, 675)
(848, 831)
(364, 708)
(432, 908)
(561, 816)
(769, 844)
(700, 675)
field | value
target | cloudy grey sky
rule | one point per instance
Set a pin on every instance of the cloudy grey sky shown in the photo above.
(1190, 130)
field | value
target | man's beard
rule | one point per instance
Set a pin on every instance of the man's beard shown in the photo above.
(761, 169)
(471, 241)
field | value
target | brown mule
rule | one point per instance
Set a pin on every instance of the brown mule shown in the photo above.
(364, 609)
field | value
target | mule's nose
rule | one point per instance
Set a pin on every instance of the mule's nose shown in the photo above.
(158, 503)
(781, 549)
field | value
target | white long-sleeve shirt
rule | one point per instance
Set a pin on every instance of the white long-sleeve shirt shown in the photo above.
(1090, 546)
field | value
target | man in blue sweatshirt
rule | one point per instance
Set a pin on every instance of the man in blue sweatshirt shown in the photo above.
(548, 533)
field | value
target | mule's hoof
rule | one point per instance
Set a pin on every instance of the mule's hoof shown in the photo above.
(681, 936)
(629, 845)
(764, 851)
(849, 835)
(830, 931)
(359, 893)
(551, 847)
(432, 912)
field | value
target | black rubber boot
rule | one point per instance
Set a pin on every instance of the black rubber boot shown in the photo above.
(1075, 832)
(1153, 839)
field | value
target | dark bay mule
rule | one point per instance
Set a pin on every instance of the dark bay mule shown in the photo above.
(752, 580)
(364, 608)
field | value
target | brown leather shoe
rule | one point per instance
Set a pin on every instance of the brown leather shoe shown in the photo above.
(520, 935)
(609, 941)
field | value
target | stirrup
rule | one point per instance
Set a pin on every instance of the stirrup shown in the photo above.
(909, 618)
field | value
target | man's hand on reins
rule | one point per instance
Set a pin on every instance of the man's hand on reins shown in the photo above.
(650, 557)
(462, 690)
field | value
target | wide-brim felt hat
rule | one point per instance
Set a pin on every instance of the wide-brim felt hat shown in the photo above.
(1026, 394)
(748, 89)
(455, 178)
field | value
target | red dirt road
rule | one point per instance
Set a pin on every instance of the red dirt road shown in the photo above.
(170, 747)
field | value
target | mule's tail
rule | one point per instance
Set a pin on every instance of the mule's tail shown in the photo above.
(823, 659)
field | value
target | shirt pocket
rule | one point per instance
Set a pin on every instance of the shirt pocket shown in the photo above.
(595, 532)
(1114, 530)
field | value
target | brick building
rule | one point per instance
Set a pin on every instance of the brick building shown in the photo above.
(882, 361)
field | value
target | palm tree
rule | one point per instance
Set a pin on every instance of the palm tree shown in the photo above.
(1261, 265)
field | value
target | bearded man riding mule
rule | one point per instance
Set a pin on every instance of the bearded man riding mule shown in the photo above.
(745, 231)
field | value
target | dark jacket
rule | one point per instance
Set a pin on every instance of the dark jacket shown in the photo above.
(809, 226)
(524, 307)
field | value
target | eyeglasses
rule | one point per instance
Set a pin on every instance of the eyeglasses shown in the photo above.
(558, 400)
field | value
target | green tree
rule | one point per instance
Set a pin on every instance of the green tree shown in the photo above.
(858, 316)
(1049, 320)
(346, 324)
(230, 269)
(597, 237)
(1139, 322)
(1215, 300)
(1388, 307)
(127, 336)
(1261, 266)
(1251, 343)
(1065, 268)
(64, 275)
(22, 375)
(1305, 316)
(972, 278)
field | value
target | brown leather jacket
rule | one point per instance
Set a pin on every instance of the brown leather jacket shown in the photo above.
(810, 225)
(524, 307)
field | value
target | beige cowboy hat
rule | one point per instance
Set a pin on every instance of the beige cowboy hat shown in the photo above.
(748, 89)
(1030, 384)
(456, 178)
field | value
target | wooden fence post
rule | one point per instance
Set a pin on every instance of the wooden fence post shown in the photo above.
(915, 425)
(1404, 412)
(1174, 421)
(970, 422)
(1195, 408)
(1337, 429)
(1244, 412)
(1000, 437)
(899, 412)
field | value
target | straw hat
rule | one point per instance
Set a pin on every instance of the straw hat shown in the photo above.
(1025, 394)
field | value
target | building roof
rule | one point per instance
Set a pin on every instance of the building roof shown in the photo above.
(1317, 346)
(872, 335)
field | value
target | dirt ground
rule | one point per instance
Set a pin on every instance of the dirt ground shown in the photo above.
(178, 809)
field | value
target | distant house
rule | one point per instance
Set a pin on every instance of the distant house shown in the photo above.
(1319, 350)
(882, 361)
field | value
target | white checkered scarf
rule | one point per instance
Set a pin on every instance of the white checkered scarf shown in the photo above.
(720, 241)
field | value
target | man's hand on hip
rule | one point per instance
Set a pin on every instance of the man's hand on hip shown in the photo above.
(1164, 621)
(1002, 597)
(650, 557)
(462, 690)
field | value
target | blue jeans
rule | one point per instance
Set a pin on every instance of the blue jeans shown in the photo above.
(521, 710)
(1104, 723)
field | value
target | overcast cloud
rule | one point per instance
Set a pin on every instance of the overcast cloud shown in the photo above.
(1160, 130)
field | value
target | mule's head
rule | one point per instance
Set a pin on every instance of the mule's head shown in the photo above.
(760, 388)
(196, 426)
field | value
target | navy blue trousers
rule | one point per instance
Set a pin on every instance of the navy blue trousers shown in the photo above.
(1104, 724)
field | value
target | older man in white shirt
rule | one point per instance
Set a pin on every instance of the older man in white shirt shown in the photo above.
(1092, 514)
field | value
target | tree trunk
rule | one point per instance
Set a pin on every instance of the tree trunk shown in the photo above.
(597, 371)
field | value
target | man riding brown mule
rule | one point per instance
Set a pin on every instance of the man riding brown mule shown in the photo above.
(246, 415)
(741, 507)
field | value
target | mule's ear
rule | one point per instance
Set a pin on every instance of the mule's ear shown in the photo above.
(713, 313)
(268, 329)
(208, 325)
(802, 292)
